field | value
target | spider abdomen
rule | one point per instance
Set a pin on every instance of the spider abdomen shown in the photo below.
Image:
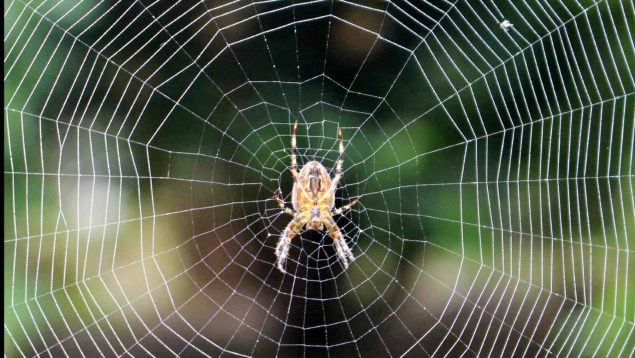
(313, 186)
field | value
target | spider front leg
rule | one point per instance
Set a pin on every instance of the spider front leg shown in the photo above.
(284, 244)
(344, 253)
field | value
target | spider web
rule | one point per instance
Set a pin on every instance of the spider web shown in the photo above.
(493, 165)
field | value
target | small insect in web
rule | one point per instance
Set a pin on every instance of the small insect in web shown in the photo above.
(505, 25)
(313, 201)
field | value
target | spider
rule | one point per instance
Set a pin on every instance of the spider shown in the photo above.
(313, 200)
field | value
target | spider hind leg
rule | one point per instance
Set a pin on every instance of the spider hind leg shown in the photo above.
(340, 161)
(294, 149)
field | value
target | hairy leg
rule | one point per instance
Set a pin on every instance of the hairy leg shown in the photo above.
(294, 159)
(278, 197)
(282, 249)
(344, 253)
(340, 161)
(344, 208)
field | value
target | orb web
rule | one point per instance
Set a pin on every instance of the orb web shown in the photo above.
(490, 145)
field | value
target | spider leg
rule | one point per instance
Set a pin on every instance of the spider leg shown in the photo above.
(294, 159)
(282, 249)
(340, 161)
(278, 197)
(344, 208)
(344, 253)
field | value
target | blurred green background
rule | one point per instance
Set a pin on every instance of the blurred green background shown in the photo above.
(144, 143)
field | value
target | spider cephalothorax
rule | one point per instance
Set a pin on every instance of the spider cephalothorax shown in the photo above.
(313, 201)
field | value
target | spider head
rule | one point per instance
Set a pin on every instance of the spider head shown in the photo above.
(315, 222)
